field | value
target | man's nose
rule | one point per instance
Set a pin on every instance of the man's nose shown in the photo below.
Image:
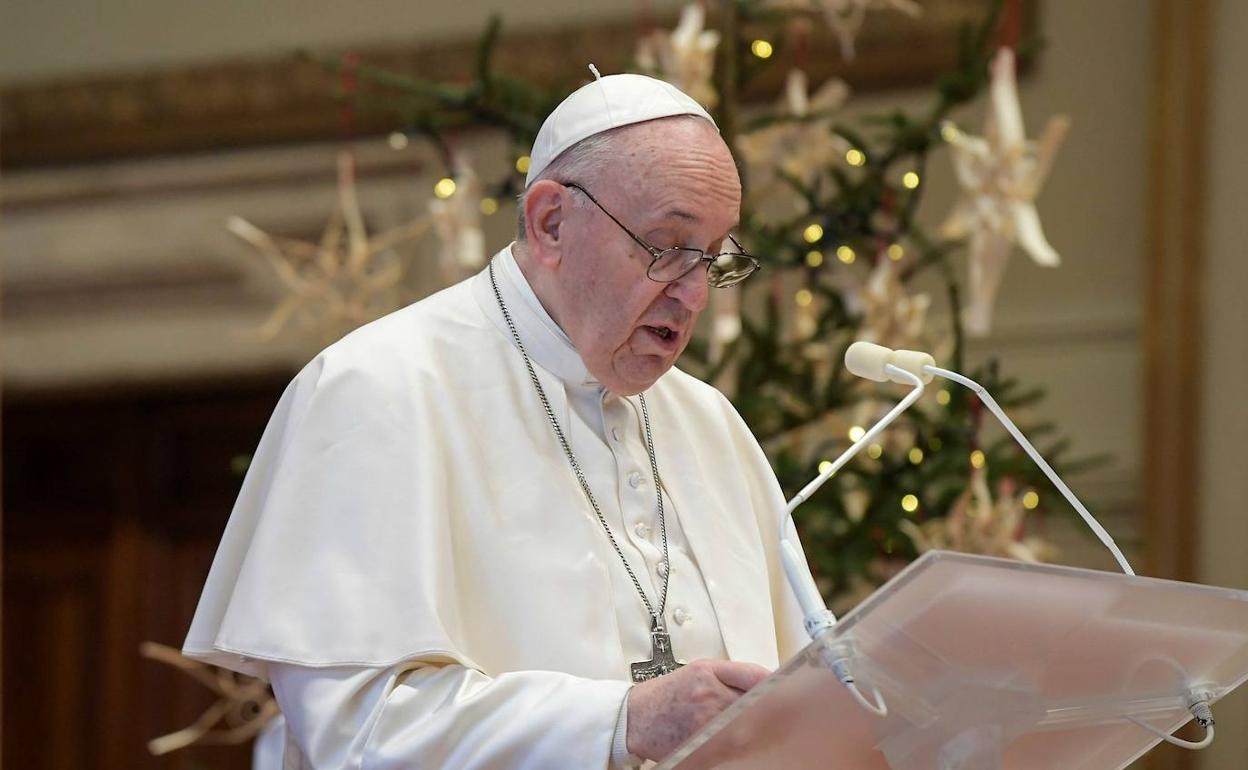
(691, 289)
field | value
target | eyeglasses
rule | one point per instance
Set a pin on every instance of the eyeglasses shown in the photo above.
(725, 269)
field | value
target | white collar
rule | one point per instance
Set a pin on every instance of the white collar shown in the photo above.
(544, 341)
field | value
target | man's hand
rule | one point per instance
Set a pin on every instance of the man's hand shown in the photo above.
(663, 712)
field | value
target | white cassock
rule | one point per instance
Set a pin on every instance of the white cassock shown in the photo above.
(413, 565)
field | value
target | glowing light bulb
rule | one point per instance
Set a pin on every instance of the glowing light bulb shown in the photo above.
(762, 49)
(803, 298)
(910, 503)
(813, 233)
(814, 258)
(444, 188)
(522, 164)
(915, 455)
(875, 451)
(857, 432)
(488, 206)
(896, 252)
(855, 157)
(397, 140)
(910, 180)
(846, 254)
(942, 397)
(977, 458)
(1031, 500)
(948, 131)
(825, 466)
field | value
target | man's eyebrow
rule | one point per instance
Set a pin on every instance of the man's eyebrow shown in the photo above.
(681, 214)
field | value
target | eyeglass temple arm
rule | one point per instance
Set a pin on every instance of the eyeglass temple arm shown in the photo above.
(652, 251)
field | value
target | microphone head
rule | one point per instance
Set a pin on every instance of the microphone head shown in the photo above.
(867, 359)
(912, 361)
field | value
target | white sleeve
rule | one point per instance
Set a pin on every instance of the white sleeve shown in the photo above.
(446, 716)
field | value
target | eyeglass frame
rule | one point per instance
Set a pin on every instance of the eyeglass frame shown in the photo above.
(656, 253)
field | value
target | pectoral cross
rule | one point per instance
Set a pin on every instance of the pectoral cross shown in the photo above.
(662, 661)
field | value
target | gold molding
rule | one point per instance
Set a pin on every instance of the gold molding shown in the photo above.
(252, 102)
(1173, 309)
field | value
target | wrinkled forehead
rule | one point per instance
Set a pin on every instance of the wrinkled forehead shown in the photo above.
(685, 152)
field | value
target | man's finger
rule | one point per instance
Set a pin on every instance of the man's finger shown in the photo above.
(739, 676)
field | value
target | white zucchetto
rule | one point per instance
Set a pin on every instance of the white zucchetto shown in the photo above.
(606, 103)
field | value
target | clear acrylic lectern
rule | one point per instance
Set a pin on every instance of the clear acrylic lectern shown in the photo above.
(989, 664)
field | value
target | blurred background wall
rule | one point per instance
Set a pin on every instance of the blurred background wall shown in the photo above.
(135, 383)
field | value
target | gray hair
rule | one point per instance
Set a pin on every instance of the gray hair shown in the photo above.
(582, 162)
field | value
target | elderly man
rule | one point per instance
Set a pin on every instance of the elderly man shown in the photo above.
(486, 530)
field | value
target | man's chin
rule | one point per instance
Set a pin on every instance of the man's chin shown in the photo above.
(638, 375)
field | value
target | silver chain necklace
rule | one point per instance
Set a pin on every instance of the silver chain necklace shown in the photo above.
(662, 659)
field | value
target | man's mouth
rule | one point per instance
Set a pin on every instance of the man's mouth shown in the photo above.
(665, 333)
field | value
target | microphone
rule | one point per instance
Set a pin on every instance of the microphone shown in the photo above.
(916, 369)
(818, 620)
(878, 363)
(871, 361)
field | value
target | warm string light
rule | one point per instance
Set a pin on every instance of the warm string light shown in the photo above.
(825, 466)
(896, 252)
(488, 206)
(397, 140)
(444, 188)
(814, 258)
(522, 164)
(1031, 500)
(803, 298)
(910, 180)
(977, 458)
(875, 451)
(942, 397)
(762, 49)
(846, 254)
(813, 233)
(915, 455)
(910, 503)
(855, 157)
(857, 432)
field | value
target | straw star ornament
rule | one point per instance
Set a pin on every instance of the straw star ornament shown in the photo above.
(1000, 174)
(684, 57)
(456, 219)
(800, 144)
(343, 280)
(846, 17)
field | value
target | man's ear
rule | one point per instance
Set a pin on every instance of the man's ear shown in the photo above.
(544, 209)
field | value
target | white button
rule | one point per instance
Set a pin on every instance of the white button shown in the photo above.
(615, 433)
(634, 479)
(681, 617)
(661, 569)
(642, 529)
